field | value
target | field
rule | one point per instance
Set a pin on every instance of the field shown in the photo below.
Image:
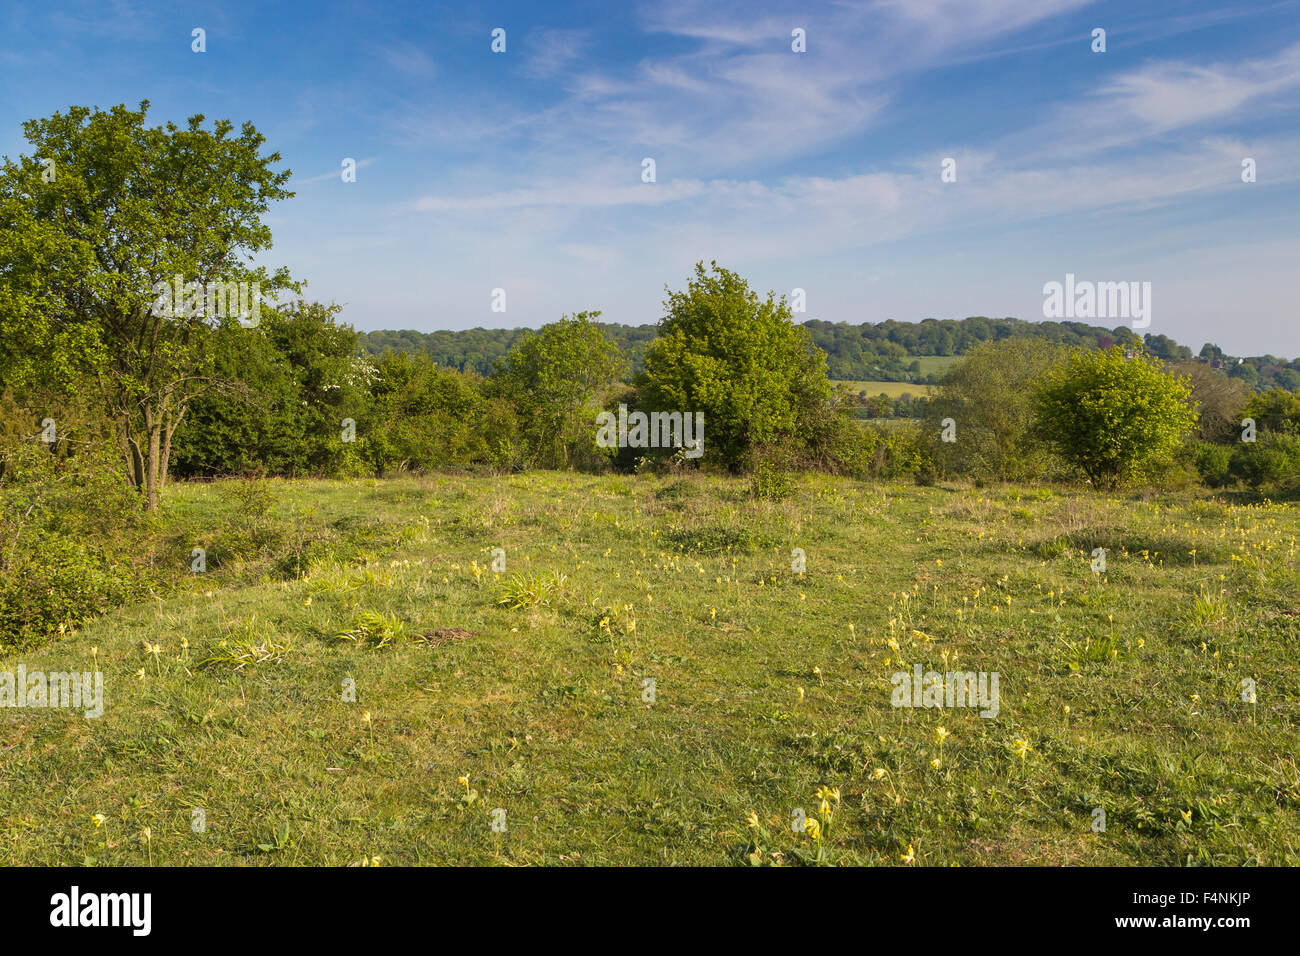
(892, 389)
(937, 364)
(529, 691)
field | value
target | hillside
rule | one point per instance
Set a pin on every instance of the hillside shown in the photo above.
(874, 352)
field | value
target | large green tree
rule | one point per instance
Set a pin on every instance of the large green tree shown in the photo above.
(988, 395)
(556, 378)
(103, 210)
(740, 360)
(1114, 417)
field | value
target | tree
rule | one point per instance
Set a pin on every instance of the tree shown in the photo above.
(1113, 417)
(555, 378)
(1219, 400)
(297, 376)
(1163, 347)
(1275, 412)
(102, 217)
(755, 375)
(988, 395)
(425, 416)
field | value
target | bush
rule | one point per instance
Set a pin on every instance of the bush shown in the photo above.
(1115, 417)
(989, 395)
(1212, 463)
(1273, 460)
(51, 577)
(54, 586)
(425, 417)
(741, 361)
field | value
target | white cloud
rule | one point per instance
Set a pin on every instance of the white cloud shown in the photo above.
(1166, 96)
(551, 52)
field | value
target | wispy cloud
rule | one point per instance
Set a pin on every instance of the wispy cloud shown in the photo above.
(336, 175)
(552, 51)
(408, 59)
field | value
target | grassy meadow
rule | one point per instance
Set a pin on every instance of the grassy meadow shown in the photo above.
(892, 389)
(528, 690)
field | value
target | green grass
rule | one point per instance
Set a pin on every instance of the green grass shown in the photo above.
(892, 389)
(535, 683)
(937, 364)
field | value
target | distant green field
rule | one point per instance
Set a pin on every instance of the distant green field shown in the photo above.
(930, 365)
(892, 389)
(937, 364)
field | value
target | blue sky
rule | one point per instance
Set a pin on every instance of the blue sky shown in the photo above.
(817, 170)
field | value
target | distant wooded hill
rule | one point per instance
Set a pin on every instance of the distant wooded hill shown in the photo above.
(881, 352)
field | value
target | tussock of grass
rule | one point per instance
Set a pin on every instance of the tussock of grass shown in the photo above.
(374, 630)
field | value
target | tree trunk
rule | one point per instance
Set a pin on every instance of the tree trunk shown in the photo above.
(131, 455)
(153, 473)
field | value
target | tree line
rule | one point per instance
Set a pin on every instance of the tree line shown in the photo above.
(877, 352)
(105, 208)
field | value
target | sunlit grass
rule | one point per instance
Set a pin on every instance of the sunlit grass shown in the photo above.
(652, 682)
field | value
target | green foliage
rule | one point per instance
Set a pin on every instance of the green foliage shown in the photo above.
(248, 642)
(1275, 412)
(989, 395)
(890, 351)
(483, 351)
(1212, 463)
(532, 589)
(1272, 460)
(62, 558)
(1220, 401)
(84, 255)
(556, 379)
(425, 417)
(722, 351)
(290, 383)
(374, 630)
(1115, 418)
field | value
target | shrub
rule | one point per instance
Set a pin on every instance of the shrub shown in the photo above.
(55, 585)
(1272, 460)
(1114, 417)
(989, 394)
(64, 526)
(1212, 463)
(741, 361)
